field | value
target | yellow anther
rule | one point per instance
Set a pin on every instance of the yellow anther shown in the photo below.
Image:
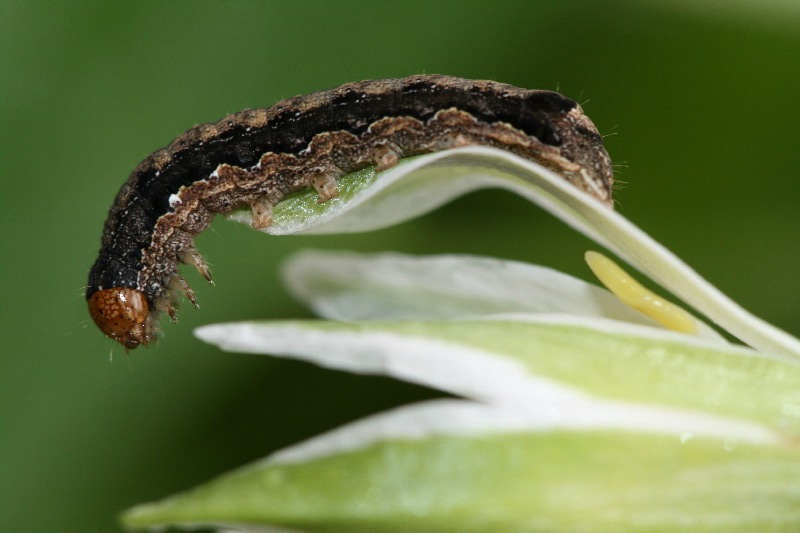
(638, 297)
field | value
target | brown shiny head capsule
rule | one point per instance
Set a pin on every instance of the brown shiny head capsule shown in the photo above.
(123, 315)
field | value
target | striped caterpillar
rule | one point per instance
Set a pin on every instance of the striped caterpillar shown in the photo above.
(258, 156)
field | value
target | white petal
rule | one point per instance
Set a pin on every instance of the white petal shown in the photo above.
(546, 366)
(421, 184)
(565, 410)
(459, 463)
(350, 286)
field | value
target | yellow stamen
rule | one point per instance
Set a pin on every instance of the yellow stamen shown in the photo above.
(638, 297)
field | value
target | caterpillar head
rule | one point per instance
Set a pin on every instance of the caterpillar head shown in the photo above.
(123, 314)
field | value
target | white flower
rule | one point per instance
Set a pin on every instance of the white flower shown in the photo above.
(575, 411)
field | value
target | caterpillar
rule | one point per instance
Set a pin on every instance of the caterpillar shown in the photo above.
(256, 157)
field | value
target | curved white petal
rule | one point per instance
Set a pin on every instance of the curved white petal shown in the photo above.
(452, 464)
(543, 365)
(351, 286)
(418, 185)
(565, 410)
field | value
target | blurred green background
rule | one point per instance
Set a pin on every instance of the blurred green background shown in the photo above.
(702, 114)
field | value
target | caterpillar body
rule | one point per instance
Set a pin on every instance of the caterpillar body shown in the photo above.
(256, 157)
